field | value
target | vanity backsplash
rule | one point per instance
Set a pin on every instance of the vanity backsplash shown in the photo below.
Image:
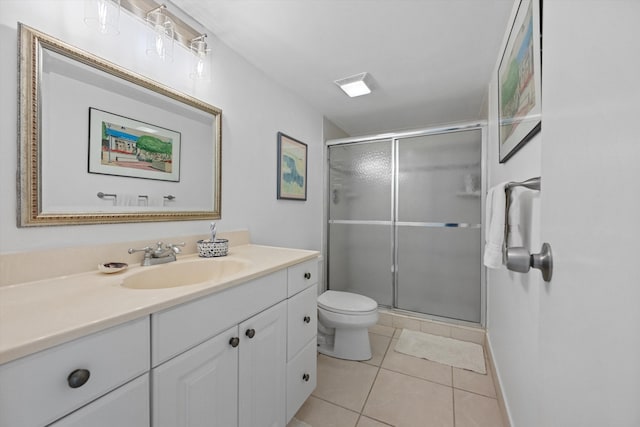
(22, 267)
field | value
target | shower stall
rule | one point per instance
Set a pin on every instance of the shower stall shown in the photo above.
(404, 215)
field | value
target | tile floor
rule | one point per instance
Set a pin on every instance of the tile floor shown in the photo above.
(393, 389)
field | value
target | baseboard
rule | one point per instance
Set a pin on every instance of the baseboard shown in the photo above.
(506, 421)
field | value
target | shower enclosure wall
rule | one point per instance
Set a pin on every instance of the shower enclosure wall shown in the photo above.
(404, 215)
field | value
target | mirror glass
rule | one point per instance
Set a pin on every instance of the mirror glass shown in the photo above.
(100, 144)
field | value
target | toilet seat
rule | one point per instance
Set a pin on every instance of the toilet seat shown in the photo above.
(346, 303)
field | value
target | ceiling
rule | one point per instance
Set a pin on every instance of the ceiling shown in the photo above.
(430, 60)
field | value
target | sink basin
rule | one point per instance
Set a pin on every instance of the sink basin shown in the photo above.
(185, 273)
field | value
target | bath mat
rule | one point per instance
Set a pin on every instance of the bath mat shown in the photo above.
(448, 351)
(297, 423)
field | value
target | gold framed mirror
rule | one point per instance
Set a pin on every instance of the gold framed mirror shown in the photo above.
(101, 144)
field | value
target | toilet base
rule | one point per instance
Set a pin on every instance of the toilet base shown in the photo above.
(348, 344)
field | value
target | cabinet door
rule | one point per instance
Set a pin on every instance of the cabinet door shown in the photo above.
(125, 406)
(199, 387)
(263, 351)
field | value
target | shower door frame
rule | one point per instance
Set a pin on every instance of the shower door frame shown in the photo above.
(394, 137)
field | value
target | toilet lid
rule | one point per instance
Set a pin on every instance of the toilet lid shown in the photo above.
(346, 302)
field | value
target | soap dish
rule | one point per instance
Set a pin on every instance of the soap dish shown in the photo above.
(112, 267)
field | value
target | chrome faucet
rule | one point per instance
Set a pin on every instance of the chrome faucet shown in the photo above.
(161, 254)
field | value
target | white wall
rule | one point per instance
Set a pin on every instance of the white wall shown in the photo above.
(254, 110)
(567, 351)
(512, 298)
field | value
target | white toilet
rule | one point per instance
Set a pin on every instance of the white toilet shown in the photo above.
(343, 322)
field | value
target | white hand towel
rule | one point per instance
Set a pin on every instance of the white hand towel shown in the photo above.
(515, 232)
(156, 201)
(494, 233)
(127, 199)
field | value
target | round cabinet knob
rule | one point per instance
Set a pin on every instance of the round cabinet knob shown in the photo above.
(307, 319)
(250, 333)
(78, 378)
(307, 275)
(234, 341)
(306, 377)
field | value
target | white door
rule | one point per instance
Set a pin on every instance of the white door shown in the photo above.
(199, 387)
(263, 352)
(589, 332)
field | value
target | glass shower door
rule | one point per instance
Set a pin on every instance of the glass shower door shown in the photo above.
(360, 215)
(438, 225)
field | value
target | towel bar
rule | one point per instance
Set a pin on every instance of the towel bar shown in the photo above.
(531, 184)
(519, 259)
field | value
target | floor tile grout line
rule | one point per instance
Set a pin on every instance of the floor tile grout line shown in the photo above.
(418, 378)
(474, 392)
(453, 404)
(334, 403)
(374, 382)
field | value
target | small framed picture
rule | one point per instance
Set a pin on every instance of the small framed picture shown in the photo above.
(519, 82)
(123, 146)
(292, 168)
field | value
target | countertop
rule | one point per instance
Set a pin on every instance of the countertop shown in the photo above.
(41, 314)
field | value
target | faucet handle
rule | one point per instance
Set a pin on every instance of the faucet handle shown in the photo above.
(175, 247)
(146, 250)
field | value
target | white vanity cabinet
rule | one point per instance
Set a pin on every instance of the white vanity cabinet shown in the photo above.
(262, 371)
(223, 360)
(242, 356)
(234, 378)
(39, 389)
(199, 387)
(302, 329)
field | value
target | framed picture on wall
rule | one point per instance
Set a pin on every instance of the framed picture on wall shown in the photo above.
(123, 146)
(292, 168)
(519, 82)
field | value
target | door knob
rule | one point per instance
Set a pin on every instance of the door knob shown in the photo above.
(234, 341)
(307, 319)
(519, 259)
(250, 333)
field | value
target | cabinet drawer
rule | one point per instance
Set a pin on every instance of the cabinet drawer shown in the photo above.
(301, 378)
(180, 328)
(302, 320)
(124, 406)
(35, 390)
(301, 276)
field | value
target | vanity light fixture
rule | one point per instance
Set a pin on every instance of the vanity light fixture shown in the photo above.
(201, 68)
(103, 15)
(355, 85)
(161, 34)
(164, 29)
